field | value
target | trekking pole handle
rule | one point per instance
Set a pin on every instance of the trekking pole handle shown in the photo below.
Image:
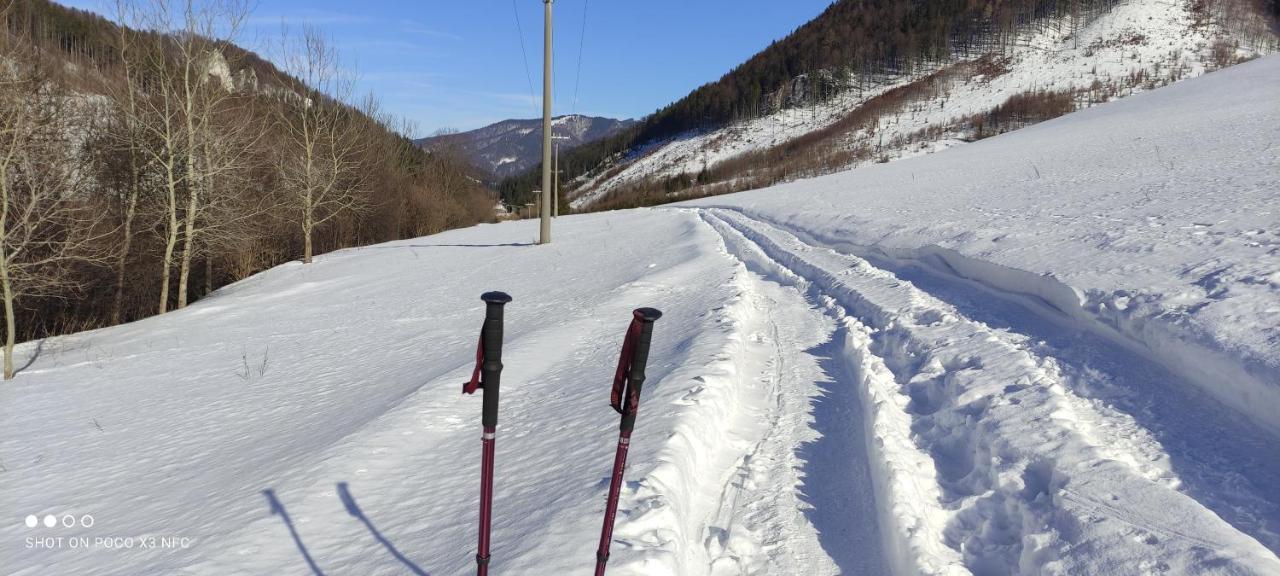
(491, 341)
(640, 357)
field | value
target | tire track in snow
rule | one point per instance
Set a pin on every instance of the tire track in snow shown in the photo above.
(802, 484)
(900, 469)
(722, 499)
(806, 488)
(1187, 439)
(1024, 486)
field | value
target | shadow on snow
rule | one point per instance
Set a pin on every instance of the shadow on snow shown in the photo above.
(836, 479)
(349, 503)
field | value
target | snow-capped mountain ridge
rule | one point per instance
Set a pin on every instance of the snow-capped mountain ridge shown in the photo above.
(511, 147)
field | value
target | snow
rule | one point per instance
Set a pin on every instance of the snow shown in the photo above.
(1136, 43)
(1144, 230)
(567, 119)
(1170, 244)
(1051, 352)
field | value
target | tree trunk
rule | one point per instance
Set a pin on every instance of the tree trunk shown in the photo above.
(130, 209)
(10, 324)
(188, 246)
(307, 230)
(171, 239)
(193, 186)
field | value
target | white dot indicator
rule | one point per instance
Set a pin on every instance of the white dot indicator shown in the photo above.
(32, 521)
(68, 521)
(50, 521)
(86, 521)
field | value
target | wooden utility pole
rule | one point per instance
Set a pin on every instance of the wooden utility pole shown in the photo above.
(544, 236)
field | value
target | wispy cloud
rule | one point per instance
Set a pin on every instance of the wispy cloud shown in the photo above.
(420, 29)
(308, 16)
(387, 45)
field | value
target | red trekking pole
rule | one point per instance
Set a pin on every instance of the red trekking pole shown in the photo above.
(626, 400)
(486, 375)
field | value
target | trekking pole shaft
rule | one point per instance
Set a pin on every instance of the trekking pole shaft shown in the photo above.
(611, 506)
(491, 372)
(635, 380)
(486, 499)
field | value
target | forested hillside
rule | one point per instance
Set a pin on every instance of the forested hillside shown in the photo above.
(855, 46)
(144, 166)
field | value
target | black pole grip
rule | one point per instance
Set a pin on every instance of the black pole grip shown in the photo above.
(639, 357)
(491, 340)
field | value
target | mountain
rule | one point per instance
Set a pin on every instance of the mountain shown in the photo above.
(514, 146)
(870, 82)
(1056, 351)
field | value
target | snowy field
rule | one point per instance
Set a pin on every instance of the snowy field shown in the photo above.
(1051, 352)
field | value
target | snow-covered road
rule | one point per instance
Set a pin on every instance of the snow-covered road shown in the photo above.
(987, 447)
(1021, 372)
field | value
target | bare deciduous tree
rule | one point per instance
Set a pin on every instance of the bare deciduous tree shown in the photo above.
(46, 223)
(191, 97)
(320, 165)
(187, 166)
(128, 134)
(207, 91)
(160, 122)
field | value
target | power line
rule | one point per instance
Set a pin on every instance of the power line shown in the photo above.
(582, 38)
(533, 99)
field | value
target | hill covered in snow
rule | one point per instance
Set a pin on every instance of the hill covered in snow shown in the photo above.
(1053, 351)
(992, 77)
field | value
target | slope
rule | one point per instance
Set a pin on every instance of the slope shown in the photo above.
(893, 378)
(831, 119)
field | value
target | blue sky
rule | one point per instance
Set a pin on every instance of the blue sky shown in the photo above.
(458, 64)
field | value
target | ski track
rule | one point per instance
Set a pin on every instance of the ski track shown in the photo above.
(795, 468)
(732, 491)
(1185, 438)
(811, 412)
(346, 448)
(987, 460)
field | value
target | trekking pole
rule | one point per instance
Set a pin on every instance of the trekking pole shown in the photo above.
(625, 398)
(486, 375)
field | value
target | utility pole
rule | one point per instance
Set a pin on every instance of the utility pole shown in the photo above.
(544, 236)
(555, 192)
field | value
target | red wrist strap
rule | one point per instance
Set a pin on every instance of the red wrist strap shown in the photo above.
(620, 387)
(470, 387)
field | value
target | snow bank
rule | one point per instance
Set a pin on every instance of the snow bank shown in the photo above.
(1147, 219)
(1016, 475)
